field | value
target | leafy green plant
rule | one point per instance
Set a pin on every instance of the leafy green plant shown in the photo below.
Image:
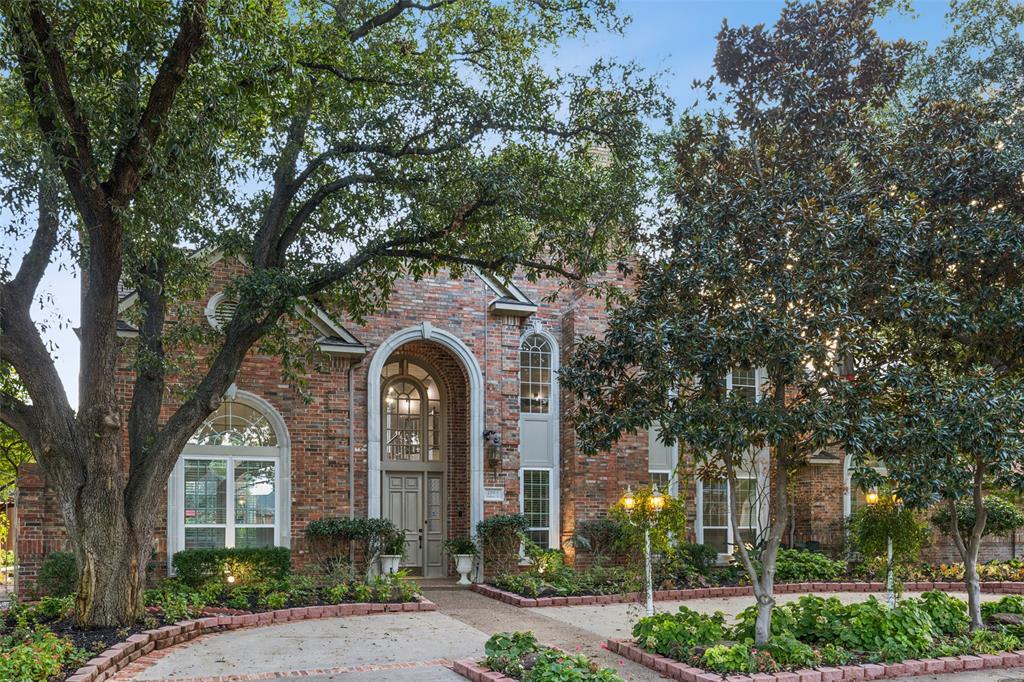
(1002, 517)
(790, 652)
(460, 546)
(274, 600)
(1010, 603)
(800, 565)
(179, 606)
(723, 658)
(833, 654)
(993, 641)
(505, 650)
(948, 614)
(54, 608)
(500, 538)
(331, 541)
(337, 594)
(58, 574)
(675, 634)
(557, 666)
(897, 634)
(604, 539)
(39, 657)
(195, 567)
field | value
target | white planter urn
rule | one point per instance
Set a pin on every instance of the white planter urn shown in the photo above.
(389, 563)
(464, 564)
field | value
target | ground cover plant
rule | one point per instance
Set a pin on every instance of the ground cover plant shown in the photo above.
(519, 656)
(818, 631)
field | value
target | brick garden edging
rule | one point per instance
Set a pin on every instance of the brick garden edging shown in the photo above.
(121, 654)
(854, 673)
(475, 672)
(993, 587)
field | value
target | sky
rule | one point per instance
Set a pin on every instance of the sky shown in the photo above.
(675, 38)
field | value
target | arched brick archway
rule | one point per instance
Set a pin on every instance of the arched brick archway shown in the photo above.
(456, 371)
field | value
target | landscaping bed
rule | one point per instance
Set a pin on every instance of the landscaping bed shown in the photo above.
(816, 639)
(517, 656)
(514, 599)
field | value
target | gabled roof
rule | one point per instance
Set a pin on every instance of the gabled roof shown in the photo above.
(510, 299)
(334, 338)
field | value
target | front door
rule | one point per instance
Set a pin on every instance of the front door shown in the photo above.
(405, 508)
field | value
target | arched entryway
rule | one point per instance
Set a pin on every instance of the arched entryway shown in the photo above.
(425, 462)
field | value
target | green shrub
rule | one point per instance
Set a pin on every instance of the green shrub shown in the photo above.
(500, 538)
(815, 619)
(789, 652)
(274, 600)
(331, 541)
(336, 594)
(723, 658)
(53, 608)
(179, 606)
(833, 654)
(460, 546)
(245, 564)
(557, 666)
(675, 634)
(504, 652)
(800, 565)
(948, 614)
(1011, 603)
(1002, 516)
(993, 641)
(58, 575)
(901, 633)
(40, 657)
(702, 558)
(604, 539)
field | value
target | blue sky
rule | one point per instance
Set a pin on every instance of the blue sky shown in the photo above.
(672, 36)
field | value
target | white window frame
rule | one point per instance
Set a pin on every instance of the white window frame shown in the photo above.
(759, 474)
(551, 528)
(280, 454)
(848, 483)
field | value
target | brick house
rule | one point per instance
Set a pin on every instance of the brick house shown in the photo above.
(439, 412)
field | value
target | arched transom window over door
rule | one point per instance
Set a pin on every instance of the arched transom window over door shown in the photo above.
(226, 490)
(412, 415)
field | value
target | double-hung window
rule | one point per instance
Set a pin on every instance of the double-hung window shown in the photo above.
(536, 504)
(715, 527)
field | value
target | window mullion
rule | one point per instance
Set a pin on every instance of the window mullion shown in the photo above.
(229, 505)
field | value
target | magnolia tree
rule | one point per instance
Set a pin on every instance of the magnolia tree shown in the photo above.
(737, 338)
(946, 373)
(330, 147)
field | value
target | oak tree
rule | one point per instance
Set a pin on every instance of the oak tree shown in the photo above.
(332, 147)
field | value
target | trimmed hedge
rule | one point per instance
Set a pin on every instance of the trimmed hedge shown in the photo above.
(58, 575)
(197, 566)
(331, 540)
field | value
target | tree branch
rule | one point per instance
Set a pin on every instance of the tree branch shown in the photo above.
(16, 414)
(390, 14)
(23, 287)
(125, 172)
(147, 395)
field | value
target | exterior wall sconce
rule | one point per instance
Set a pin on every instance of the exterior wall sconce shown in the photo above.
(493, 441)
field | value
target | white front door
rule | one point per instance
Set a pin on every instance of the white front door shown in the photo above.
(405, 509)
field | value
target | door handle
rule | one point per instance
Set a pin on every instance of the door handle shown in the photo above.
(421, 538)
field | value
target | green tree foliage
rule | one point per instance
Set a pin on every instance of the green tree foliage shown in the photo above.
(1002, 517)
(14, 451)
(752, 267)
(873, 525)
(946, 241)
(330, 147)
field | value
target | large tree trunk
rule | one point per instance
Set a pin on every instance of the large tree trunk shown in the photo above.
(973, 585)
(970, 548)
(112, 560)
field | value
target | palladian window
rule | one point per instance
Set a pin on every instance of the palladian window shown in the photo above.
(228, 481)
(412, 414)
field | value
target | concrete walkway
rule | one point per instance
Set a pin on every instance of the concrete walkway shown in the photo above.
(418, 646)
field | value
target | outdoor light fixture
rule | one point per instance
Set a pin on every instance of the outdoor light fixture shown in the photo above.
(231, 579)
(493, 440)
(655, 503)
(890, 593)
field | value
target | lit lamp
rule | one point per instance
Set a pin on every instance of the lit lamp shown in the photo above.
(890, 594)
(655, 503)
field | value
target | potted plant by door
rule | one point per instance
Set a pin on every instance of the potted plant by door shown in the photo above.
(394, 551)
(463, 551)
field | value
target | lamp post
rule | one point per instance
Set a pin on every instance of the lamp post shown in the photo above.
(655, 503)
(890, 595)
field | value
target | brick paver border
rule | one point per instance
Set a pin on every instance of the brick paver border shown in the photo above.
(677, 670)
(475, 672)
(993, 587)
(125, 653)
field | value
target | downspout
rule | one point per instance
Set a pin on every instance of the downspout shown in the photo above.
(351, 441)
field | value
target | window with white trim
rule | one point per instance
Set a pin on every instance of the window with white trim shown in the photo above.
(856, 496)
(536, 503)
(535, 375)
(230, 479)
(716, 530)
(715, 513)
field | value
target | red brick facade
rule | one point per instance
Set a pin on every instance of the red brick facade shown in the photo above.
(327, 426)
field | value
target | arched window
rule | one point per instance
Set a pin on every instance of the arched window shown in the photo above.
(535, 375)
(411, 413)
(227, 485)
